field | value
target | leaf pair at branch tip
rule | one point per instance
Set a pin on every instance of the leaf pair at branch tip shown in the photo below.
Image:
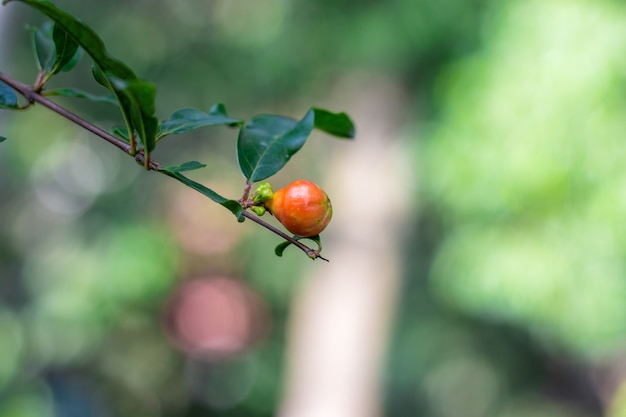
(268, 142)
(56, 51)
(137, 103)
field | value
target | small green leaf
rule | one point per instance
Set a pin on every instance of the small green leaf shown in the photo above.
(2, 138)
(185, 120)
(267, 143)
(77, 93)
(74, 61)
(231, 205)
(218, 110)
(66, 49)
(8, 98)
(280, 248)
(137, 98)
(122, 132)
(336, 124)
(100, 78)
(43, 46)
(186, 166)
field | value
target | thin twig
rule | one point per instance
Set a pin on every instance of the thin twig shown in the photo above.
(311, 253)
(246, 194)
(34, 97)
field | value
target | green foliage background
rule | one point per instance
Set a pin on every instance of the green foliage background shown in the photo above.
(515, 273)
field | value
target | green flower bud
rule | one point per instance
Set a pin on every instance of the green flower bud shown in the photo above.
(262, 193)
(259, 210)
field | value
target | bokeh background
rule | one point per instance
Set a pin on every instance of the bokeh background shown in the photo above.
(478, 249)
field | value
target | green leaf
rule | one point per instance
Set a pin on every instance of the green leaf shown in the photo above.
(280, 248)
(8, 98)
(55, 50)
(136, 98)
(267, 143)
(2, 138)
(336, 124)
(66, 50)
(186, 166)
(231, 205)
(77, 93)
(100, 78)
(43, 46)
(185, 120)
(121, 132)
(74, 61)
(219, 110)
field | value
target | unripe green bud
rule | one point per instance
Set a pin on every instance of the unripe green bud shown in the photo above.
(262, 193)
(259, 210)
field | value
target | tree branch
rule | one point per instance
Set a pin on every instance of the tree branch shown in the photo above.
(34, 97)
(311, 253)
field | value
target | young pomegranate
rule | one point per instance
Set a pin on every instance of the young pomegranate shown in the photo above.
(302, 207)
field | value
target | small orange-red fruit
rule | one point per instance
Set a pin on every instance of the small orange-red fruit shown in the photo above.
(302, 207)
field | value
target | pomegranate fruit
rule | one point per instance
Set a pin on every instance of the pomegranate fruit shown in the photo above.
(302, 207)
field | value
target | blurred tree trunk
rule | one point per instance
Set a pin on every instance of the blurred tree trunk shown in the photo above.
(341, 319)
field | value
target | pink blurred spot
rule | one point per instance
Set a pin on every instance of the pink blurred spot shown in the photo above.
(214, 318)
